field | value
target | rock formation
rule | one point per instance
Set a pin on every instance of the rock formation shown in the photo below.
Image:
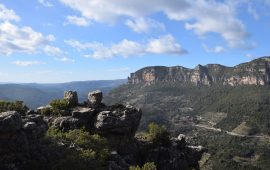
(95, 98)
(20, 138)
(256, 72)
(71, 97)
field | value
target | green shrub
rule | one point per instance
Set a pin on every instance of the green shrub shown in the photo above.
(158, 135)
(59, 104)
(13, 106)
(146, 166)
(59, 107)
(92, 147)
(46, 111)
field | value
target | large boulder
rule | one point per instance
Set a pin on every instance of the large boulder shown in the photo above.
(10, 121)
(20, 139)
(68, 123)
(124, 121)
(95, 98)
(71, 97)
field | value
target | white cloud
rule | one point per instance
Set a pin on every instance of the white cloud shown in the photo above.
(166, 45)
(78, 45)
(53, 51)
(75, 20)
(142, 25)
(217, 49)
(250, 56)
(57, 53)
(21, 39)
(27, 63)
(201, 16)
(7, 14)
(253, 12)
(45, 3)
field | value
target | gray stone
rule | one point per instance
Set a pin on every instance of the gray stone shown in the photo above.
(29, 126)
(10, 121)
(81, 112)
(124, 122)
(67, 123)
(95, 98)
(71, 97)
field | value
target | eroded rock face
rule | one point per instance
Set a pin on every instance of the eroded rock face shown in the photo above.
(71, 97)
(122, 121)
(95, 98)
(10, 122)
(256, 72)
(19, 138)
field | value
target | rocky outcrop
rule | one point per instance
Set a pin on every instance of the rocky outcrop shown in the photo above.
(71, 97)
(256, 72)
(20, 136)
(95, 98)
(124, 120)
(22, 143)
(106, 120)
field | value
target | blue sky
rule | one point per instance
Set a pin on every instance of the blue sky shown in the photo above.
(51, 41)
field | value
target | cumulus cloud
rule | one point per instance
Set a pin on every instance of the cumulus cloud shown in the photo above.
(57, 53)
(163, 45)
(142, 25)
(21, 39)
(7, 14)
(220, 17)
(217, 49)
(75, 20)
(250, 56)
(45, 3)
(27, 63)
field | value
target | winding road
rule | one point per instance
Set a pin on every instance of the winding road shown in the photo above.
(231, 133)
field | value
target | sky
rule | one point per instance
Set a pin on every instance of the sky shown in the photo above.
(52, 41)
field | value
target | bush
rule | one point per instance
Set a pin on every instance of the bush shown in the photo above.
(59, 107)
(146, 166)
(90, 147)
(60, 104)
(46, 111)
(158, 135)
(13, 106)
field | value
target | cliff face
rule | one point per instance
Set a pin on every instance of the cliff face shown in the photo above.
(256, 72)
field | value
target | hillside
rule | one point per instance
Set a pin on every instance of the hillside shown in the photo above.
(230, 120)
(35, 95)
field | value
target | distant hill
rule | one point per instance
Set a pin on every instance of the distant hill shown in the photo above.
(35, 95)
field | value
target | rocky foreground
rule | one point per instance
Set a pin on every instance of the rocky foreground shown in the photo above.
(21, 136)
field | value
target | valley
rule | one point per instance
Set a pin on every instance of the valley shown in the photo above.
(230, 120)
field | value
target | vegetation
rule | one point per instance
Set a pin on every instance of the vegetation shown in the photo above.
(167, 103)
(146, 166)
(58, 107)
(157, 135)
(82, 150)
(11, 106)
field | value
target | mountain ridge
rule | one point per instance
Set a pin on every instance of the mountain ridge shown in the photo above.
(255, 72)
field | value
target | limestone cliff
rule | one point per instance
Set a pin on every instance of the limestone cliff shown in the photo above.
(256, 72)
